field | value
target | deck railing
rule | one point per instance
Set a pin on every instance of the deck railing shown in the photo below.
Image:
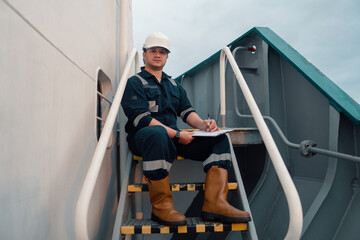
(83, 203)
(291, 194)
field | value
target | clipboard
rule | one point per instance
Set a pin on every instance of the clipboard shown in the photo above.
(201, 133)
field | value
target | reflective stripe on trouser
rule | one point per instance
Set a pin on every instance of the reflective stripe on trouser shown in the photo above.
(157, 149)
(214, 159)
(212, 151)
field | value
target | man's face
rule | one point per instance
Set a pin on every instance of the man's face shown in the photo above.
(155, 58)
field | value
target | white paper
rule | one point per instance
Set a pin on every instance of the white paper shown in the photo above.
(201, 133)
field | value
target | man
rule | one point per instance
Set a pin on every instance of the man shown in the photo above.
(152, 101)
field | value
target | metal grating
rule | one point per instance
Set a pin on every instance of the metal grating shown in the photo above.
(194, 225)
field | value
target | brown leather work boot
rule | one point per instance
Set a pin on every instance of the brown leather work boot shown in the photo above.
(216, 207)
(163, 210)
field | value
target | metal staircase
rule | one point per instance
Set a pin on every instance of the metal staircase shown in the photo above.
(135, 224)
(194, 224)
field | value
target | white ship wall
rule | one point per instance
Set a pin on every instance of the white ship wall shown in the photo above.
(50, 53)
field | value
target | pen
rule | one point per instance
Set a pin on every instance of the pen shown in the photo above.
(208, 120)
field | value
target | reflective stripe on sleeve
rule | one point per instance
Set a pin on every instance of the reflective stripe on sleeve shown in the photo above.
(153, 107)
(216, 158)
(183, 113)
(139, 117)
(155, 165)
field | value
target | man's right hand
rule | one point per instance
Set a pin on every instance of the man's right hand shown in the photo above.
(185, 137)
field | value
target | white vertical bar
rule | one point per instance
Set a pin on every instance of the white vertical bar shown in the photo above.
(123, 32)
(222, 89)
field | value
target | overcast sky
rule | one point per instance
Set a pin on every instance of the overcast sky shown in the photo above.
(325, 32)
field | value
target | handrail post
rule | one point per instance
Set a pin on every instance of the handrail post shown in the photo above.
(291, 194)
(222, 89)
(83, 203)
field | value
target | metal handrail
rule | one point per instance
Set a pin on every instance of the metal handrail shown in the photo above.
(307, 147)
(291, 194)
(304, 148)
(83, 203)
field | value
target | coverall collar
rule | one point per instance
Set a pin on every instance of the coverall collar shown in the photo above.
(148, 75)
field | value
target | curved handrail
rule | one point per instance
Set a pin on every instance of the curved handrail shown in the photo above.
(291, 194)
(83, 203)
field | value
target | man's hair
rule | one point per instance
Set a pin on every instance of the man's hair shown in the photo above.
(144, 50)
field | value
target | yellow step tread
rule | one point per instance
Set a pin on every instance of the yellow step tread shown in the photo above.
(139, 158)
(194, 225)
(177, 187)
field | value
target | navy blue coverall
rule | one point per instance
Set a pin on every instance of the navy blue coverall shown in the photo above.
(146, 98)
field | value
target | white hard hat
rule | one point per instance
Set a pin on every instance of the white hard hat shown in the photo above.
(157, 39)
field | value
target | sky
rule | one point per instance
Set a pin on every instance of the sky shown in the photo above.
(325, 32)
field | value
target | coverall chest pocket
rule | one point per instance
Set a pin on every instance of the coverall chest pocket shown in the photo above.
(175, 99)
(153, 95)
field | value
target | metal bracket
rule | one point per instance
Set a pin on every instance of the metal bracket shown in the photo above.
(304, 148)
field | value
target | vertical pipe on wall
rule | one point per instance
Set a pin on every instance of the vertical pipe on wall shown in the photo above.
(123, 55)
(123, 32)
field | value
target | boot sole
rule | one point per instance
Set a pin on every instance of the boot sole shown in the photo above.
(220, 218)
(167, 223)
